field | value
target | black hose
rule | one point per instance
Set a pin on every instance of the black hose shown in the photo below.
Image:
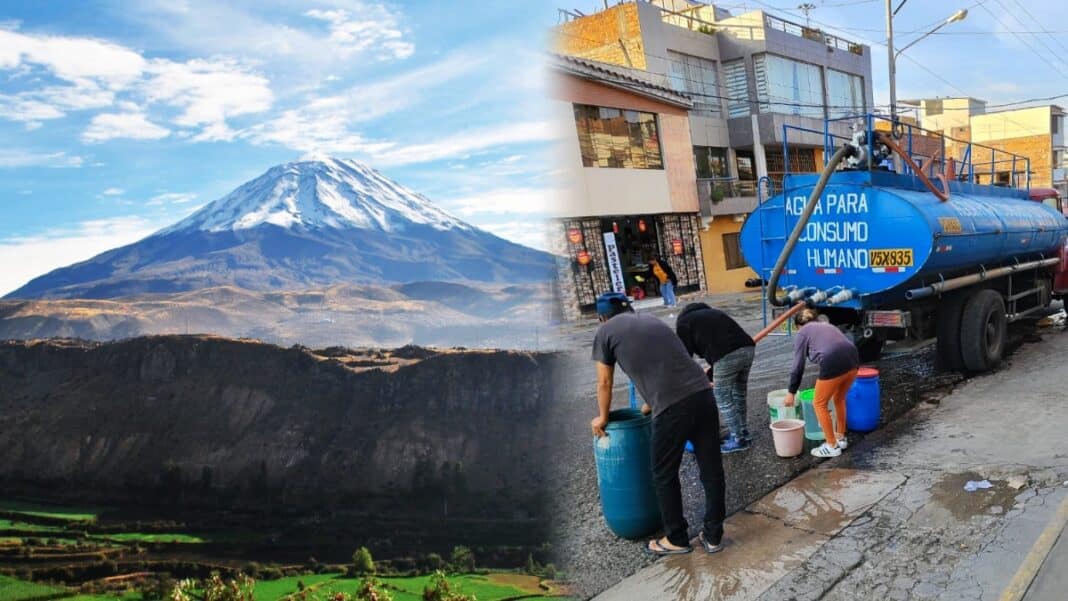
(813, 200)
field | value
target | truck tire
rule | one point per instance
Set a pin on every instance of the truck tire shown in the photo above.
(869, 349)
(982, 333)
(947, 330)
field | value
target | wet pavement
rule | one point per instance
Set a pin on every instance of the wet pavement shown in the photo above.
(587, 550)
(891, 518)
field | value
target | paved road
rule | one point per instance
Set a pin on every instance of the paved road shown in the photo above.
(587, 549)
(892, 520)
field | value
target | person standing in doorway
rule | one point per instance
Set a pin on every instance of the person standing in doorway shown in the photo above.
(678, 396)
(666, 276)
(837, 356)
(729, 352)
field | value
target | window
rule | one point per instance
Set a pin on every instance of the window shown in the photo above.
(1003, 178)
(732, 252)
(788, 86)
(711, 162)
(697, 76)
(932, 107)
(737, 84)
(1058, 158)
(1055, 124)
(746, 171)
(845, 94)
(610, 137)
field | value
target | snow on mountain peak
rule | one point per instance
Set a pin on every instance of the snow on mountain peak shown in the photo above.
(318, 191)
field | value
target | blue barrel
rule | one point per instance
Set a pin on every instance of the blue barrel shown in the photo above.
(862, 402)
(625, 475)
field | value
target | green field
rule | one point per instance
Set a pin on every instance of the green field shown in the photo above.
(24, 527)
(144, 537)
(72, 514)
(16, 590)
(403, 589)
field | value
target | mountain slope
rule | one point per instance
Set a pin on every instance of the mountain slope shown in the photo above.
(301, 224)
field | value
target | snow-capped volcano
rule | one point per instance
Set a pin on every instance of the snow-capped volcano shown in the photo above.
(317, 193)
(301, 224)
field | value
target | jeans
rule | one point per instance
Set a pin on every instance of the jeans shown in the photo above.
(693, 418)
(731, 375)
(667, 290)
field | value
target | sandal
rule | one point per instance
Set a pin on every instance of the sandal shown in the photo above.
(656, 549)
(709, 547)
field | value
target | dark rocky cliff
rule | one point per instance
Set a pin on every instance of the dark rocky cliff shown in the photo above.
(201, 413)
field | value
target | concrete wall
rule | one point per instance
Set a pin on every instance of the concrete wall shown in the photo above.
(718, 278)
(591, 191)
(1011, 124)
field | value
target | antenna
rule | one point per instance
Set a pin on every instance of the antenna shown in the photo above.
(805, 8)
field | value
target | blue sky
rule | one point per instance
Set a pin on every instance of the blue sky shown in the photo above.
(118, 118)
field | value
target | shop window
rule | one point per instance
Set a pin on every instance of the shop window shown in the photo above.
(732, 252)
(711, 162)
(610, 137)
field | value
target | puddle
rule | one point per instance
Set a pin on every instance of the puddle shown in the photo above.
(949, 493)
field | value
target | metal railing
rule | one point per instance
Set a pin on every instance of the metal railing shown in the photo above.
(810, 33)
(726, 196)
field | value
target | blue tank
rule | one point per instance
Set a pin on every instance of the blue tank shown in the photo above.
(625, 475)
(878, 233)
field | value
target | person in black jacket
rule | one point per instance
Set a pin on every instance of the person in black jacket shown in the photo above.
(729, 351)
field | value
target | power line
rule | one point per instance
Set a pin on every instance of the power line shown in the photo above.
(1024, 40)
(1040, 27)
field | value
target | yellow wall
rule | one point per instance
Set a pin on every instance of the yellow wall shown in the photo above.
(718, 278)
(1011, 124)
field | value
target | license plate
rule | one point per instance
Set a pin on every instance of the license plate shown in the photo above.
(890, 257)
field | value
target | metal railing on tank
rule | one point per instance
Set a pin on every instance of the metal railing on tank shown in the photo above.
(971, 162)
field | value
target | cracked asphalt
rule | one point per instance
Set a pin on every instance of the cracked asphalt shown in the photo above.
(911, 530)
(589, 553)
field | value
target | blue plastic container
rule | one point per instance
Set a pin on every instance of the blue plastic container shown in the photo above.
(625, 475)
(862, 402)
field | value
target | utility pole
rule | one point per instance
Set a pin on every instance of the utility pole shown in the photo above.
(891, 60)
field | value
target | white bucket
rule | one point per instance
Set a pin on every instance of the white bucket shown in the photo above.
(776, 409)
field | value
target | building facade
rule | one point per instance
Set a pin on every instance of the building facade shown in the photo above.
(625, 159)
(1035, 132)
(747, 76)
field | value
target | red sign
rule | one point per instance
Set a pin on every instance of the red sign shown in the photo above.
(676, 246)
(583, 257)
(615, 227)
(574, 235)
(641, 225)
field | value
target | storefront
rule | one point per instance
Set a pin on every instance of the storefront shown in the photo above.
(612, 253)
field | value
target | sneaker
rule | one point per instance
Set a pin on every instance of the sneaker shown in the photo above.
(733, 445)
(826, 450)
(842, 442)
(747, 437)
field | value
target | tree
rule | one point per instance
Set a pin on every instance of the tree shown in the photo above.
(440, 590)
(215, 588)
(462, 560)
(372, 590)
(362, 562)
(434, 562)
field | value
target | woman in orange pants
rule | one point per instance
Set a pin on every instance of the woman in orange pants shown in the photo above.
(837, 356)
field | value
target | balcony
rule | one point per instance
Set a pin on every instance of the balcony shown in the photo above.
(726, 196)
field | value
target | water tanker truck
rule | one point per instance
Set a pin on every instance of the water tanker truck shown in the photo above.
(894, 245)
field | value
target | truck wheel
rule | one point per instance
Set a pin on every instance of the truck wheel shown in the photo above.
(947, 330)
(870, 349)
(982, 334)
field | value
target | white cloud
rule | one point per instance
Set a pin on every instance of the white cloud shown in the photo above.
(172, 198)
(113, 192)
(472, 140)
(208, 92)
(22, 108)
(17, 158)
(374, 28)
(308, 132)
(532, 233)
(504, 200)
(73, 59)
(108, 126)
(25, 258)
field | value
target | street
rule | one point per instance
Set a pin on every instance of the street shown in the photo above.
(890, 518)
(588, 550)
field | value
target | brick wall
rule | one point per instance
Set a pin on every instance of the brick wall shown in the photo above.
(1037, 148)
(610, 36)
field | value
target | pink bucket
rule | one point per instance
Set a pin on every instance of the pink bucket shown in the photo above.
(789, 437)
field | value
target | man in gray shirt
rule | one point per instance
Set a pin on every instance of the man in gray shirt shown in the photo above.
(678, 395)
